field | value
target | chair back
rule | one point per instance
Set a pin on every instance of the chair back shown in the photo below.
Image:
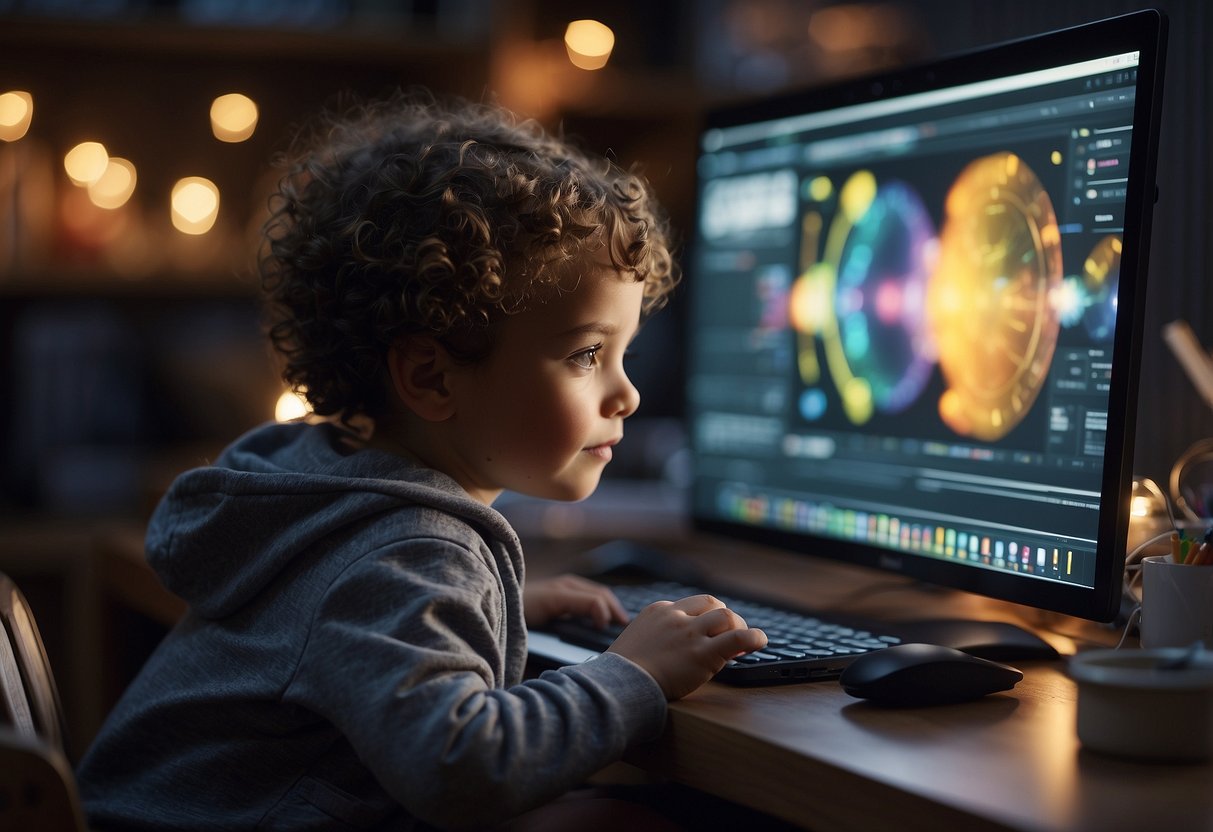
(28, 695)
(37, 787)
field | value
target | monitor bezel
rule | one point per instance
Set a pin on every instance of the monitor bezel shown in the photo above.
(1144, 32)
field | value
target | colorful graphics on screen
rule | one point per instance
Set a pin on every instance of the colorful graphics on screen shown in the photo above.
(981, 547)
(883, 297)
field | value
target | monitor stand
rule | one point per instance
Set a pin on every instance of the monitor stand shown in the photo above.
(999, 641)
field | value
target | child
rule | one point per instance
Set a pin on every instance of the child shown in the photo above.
(455, 292)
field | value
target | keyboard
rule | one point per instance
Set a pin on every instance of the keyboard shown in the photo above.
(800, 647)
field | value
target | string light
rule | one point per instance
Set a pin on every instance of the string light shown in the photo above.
(195, 205)
(86, 162)
(233, 117)
(115, 185)
(16, 113)
(589, 43)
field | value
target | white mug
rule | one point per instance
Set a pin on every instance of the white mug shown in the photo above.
(1176, 603)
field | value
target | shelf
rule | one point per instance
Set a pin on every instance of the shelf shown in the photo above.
(384, 44)
(93, 284)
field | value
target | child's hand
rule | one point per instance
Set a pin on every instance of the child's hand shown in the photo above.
(683, 644)
(551, 598)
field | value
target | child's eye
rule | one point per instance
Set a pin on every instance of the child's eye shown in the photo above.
(586, 359)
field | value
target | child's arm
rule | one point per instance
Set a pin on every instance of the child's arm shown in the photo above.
(416, 657)
(683, 644)
(551, 598)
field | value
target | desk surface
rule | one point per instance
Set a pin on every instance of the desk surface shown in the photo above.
(814, 755)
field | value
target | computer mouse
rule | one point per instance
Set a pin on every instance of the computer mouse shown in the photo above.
(925, 674)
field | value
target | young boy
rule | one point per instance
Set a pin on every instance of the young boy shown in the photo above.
(455, 292)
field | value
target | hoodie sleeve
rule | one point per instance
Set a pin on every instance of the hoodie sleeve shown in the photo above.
(406, 656)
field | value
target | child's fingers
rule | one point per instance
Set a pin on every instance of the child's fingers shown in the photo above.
(607, 607)
(617, 612)
(579, 596)
(601, 607)
(734, 642)
(720, 620)
(728, 635)
(714, 619)
(698, 604)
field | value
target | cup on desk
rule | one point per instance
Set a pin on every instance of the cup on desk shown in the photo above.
(1145, 704)
(1176, 603)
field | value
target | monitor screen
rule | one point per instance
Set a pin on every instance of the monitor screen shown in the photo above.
(915, 312)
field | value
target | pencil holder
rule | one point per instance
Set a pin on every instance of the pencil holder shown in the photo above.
(1176, 603)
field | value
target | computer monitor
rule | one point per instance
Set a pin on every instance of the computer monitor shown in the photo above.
(915, 312)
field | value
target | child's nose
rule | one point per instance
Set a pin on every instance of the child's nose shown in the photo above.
(623, 400)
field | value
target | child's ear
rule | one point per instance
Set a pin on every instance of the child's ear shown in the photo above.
(419, 366)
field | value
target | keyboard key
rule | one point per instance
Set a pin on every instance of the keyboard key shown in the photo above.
(757, 656)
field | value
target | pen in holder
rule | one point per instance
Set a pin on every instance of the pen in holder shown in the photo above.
(1176, 603)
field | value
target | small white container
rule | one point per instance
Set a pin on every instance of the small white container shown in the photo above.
(1131, 704)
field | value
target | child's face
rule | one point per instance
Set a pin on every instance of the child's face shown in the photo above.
(540, 415)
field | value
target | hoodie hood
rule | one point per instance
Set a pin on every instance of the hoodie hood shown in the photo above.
(223, 532)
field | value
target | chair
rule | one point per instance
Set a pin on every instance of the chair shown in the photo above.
(28, 695)
(37, 786)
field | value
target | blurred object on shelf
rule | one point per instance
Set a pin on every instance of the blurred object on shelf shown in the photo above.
(1191, 483)
(1192, 357)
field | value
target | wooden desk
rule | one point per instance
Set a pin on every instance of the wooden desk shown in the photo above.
(813, 755)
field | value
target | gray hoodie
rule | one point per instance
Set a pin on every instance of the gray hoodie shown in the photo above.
(352, 657)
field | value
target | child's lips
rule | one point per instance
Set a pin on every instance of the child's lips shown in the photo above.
(602, 451)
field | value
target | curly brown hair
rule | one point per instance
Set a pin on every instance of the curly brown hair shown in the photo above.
(412, 215)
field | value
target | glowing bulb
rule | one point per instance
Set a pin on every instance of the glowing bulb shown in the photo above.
(114, 187)
(589, 43)
(16, 113)
(233, 117)
(86, 162)
(195, 204)
(291, 405)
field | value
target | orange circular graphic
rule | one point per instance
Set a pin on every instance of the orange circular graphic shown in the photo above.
(989, 298)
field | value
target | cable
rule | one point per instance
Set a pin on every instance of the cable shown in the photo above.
(1133, 564)
(1154, 488)
(1133, 618)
